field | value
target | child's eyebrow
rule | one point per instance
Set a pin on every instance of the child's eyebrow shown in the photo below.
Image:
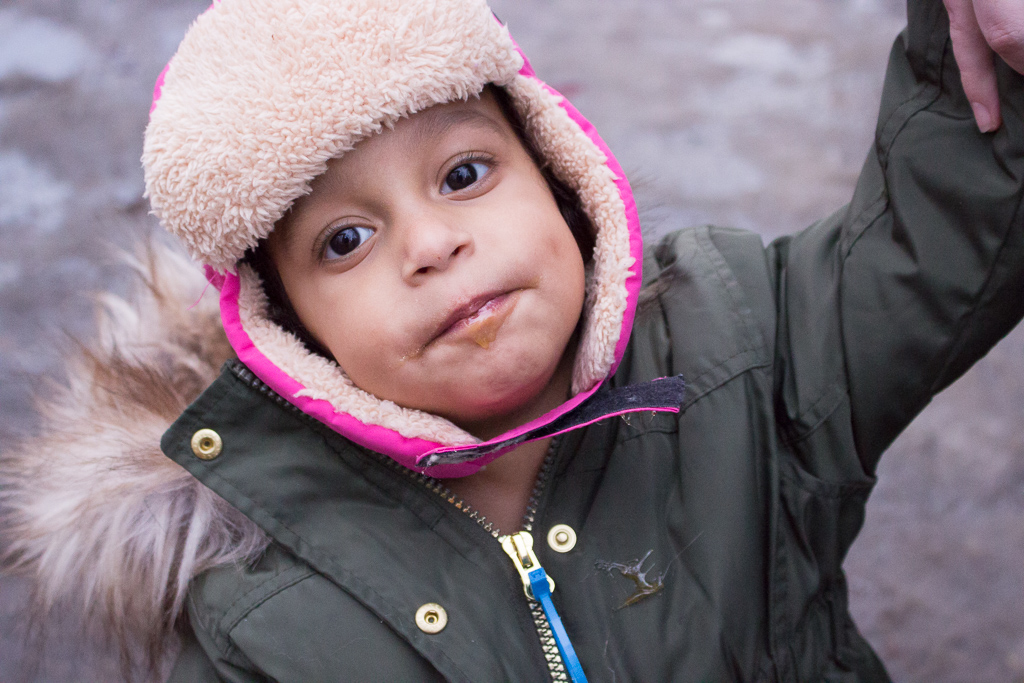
(434, 124)
(439, 122)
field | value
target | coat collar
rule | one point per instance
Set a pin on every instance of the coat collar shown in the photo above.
(320, 496)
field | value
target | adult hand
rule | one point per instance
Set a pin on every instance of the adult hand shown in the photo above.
(979, 30)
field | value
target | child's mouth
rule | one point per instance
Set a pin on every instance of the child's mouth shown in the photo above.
(480, 323)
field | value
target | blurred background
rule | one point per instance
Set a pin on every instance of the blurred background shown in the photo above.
(737, 112)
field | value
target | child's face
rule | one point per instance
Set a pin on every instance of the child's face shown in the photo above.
(433, 263)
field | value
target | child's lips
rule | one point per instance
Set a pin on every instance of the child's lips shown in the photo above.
(480, 319)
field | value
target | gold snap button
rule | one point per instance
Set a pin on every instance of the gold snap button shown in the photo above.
(206, 444)
(562, 538)
(431, 618)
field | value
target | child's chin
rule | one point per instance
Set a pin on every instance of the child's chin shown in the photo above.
(495, 412)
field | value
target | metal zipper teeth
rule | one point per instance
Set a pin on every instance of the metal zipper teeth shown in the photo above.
(556, 667)
(552, 656)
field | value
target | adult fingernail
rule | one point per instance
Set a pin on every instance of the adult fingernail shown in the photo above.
(982, 117)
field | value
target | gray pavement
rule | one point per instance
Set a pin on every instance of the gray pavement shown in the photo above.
(737, 112)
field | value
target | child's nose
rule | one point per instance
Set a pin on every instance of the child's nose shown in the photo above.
(432, 245)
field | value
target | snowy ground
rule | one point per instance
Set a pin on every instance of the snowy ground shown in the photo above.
(738, 112)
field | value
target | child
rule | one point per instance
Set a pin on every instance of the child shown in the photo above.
(430, 268)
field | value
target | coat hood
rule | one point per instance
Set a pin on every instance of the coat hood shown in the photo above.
(263, 93)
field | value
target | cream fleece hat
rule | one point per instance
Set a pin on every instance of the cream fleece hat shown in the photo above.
(261, 94)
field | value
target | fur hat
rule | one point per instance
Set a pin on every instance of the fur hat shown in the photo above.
(263, 93)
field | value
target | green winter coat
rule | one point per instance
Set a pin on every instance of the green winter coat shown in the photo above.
(803, 361)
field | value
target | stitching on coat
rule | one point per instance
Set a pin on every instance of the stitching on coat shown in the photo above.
(303, 572)
(933, 58)
(833, 388)
(755, 342)
(963, 325)
(740, 309)
(876, 209)
(697, 395)
(820, 488)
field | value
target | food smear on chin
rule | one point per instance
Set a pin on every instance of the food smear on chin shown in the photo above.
(485, 331)
(482, 327)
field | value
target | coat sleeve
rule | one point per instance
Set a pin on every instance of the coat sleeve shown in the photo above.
(887, 302)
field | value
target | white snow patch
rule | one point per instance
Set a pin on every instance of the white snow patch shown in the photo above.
(10, 271)
(715, 17)
(698, 163)
(34, 47)
(30, 195)
(740, 100)
(771, 55)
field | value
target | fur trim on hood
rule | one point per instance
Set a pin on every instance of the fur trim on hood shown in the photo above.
(93, 512)
(263, 93)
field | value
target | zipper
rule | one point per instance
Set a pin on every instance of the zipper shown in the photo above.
(537, 586)
(548, 643)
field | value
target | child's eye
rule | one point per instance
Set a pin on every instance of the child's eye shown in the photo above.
(346, 241)
(463, 176)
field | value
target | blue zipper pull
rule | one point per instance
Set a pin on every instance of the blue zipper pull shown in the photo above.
(538, 586)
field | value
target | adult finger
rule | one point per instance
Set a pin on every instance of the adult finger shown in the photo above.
(1002, 24)
(974, 57)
